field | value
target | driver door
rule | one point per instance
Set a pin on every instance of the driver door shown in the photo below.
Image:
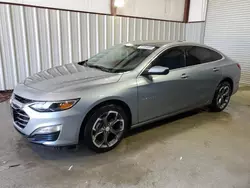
(159, 95)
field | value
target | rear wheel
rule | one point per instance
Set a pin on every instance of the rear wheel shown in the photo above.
(221, 97)
(105, 128)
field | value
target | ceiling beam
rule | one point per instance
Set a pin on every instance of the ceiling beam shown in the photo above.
(113, 9)
(186, 11)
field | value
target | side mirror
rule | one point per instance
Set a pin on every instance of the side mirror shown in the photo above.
(156, 70)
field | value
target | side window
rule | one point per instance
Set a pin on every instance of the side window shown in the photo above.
(198, 55)
(173, 59)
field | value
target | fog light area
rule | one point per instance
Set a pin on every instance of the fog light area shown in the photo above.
(47, 130)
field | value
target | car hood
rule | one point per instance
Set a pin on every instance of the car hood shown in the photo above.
(69, 77)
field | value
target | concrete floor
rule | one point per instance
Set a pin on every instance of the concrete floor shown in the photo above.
(196, 149)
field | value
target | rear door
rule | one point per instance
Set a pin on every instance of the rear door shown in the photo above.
(204, 73)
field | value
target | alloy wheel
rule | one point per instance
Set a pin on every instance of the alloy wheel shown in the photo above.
(223, 96)
(107, 129)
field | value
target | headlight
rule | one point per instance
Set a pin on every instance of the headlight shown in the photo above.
(53, 106)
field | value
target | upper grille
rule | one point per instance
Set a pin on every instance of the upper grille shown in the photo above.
(23, 100)
(20, 117)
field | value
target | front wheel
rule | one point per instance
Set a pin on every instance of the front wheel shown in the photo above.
(221, 97)
(105, 128)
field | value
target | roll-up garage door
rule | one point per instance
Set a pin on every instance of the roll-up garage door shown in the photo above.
(228, 30)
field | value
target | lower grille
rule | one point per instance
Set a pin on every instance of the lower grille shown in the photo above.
(45, 137)
(20, 117)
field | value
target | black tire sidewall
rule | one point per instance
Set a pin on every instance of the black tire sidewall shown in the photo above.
(215, 106)
(90, 123)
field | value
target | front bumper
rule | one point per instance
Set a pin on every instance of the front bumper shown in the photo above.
(26, 121)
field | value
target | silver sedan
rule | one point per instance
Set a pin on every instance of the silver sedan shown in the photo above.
(100, 99)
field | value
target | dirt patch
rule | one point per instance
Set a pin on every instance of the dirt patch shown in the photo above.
(5, 95)
(244, 88)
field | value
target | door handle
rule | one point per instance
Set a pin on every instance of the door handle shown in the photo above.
(184, 76)
(215, 69)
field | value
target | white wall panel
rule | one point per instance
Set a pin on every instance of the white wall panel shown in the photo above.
(100, 6)
(197, 10)
(160, 9)
(35, 39)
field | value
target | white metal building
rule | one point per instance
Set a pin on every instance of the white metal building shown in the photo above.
(36, 35)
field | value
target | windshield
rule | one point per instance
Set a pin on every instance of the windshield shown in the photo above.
(120, 58)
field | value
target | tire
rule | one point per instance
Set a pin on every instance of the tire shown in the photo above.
(221, 97)
(105, 128)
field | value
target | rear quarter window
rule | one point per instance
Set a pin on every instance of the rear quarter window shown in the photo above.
(199, 55)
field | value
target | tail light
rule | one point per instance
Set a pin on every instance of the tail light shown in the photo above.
(238, 65)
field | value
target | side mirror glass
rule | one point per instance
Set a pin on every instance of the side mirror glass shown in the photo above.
(157, 70)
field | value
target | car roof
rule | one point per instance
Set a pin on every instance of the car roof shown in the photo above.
(162, 43)
(154, 43)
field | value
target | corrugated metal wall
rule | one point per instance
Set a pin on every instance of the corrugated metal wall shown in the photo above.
(195, 32)
(228, 30)
(35, 39)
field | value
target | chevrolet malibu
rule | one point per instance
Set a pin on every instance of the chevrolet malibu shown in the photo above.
(98, 100)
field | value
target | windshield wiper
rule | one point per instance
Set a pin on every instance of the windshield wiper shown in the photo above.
(84, 63)
(100, 68)
(120, 70)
